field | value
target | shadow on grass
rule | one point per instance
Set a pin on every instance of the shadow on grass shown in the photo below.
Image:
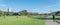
(48, 18)
(57, 22)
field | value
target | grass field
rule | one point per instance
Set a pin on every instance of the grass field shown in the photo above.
(58, 18)
(21, 20)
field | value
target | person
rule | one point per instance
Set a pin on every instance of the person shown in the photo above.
(53, 17)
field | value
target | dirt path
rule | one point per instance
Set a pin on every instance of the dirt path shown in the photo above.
(51, 22)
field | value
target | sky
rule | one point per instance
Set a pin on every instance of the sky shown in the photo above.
(40, 6)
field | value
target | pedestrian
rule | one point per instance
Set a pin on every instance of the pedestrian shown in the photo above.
(53, 17)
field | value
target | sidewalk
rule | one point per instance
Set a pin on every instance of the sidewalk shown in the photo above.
(50, 22)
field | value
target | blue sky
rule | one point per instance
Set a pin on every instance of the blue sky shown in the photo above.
(41, 6)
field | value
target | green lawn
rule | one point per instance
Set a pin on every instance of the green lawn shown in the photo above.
(57, 19)
(21, 20)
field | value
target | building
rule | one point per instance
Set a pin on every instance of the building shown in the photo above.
(9, 9)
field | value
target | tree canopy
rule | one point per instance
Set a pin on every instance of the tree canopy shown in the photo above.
(23, 12)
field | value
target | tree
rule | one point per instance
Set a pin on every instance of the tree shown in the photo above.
(15, 14)
(10, 13)
(23, 12)
(57, 13)
(1, 12)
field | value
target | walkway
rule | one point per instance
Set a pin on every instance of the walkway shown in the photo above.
(50, 22)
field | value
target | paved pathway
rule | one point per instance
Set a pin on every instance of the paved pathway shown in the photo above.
(50, 22)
